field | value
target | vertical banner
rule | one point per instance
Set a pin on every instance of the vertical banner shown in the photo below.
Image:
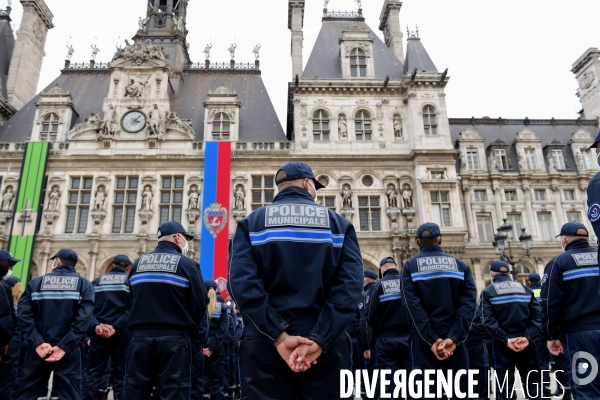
(215, 203)
(29, 198)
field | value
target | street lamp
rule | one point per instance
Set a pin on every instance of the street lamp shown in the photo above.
(502, 241)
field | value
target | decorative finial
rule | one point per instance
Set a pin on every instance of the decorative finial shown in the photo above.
(413, 34)
(256, 51)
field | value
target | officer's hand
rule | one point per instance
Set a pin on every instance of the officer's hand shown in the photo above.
(435, 350)
(288, 346)
(367, 354)
(207, 352)
(304, 356)
(3, 350)
(555, 347)
(108, 331)
(57, 354)
(44, 350)
(521, 343)
(446, 348)
(513, 345)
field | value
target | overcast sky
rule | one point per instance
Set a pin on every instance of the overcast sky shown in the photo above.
(509, 58)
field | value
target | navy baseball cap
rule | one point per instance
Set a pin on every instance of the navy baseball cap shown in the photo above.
(387, 260)
(171, 228)
(12, 281)
(534, 276)
(122, 260)
(430, 227)
(298, 170)
(571, 228)
(66, 255)
(593, 146)
(5, 255)
(499, 266)
(210, 284)
(369, 273)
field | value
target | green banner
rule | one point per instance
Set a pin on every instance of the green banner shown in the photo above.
(28, 203)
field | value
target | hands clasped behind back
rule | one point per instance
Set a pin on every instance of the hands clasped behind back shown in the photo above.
(298, 352)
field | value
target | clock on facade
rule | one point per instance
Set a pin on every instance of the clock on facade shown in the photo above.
(133, 121)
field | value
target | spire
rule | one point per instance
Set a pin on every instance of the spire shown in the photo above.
(416, 55)
(296, 25)
(389, 24)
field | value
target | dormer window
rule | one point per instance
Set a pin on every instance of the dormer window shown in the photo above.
(49, 127)
(472, 159)
(501, 159)
(587, 158)
(530, 158)
(221, 127)
(358, 63)
(558, 159)
(429, 121)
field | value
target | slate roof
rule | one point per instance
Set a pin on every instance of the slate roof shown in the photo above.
(258, 120)
(417, 57)
(325, 62)
(7, 44)
(506, 130)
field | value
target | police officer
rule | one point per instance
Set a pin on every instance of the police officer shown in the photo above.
(387, 315)
(7, 309)
(108, 334)
(571, 310)
(54, 313)
(214, 352)
(168, 303)
(296, 274)
(227, 346)
(239, 332)
(366, 331)
(478, 354)
(441, 300)
(535, 285)
(512, 316)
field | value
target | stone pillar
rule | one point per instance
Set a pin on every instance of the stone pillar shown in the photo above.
(498, 205)
(469, 213)
(389, 23)
(296, 24)
(540, 265)
(92, 267)
(558, 205)
(44, 254)
(532, 228)
(478, 274)
(169, 6)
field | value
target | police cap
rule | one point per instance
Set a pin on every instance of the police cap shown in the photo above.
(433, 229)
(172, 228)
(210, 284)
(369, 273)
(571, 228)
(5, 255)
(499, 266)
(66, 255)
(12, 281)
(534, 276)
(387, 260)
(121, 260)
(298, 170)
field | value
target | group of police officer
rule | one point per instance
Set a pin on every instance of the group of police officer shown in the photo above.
(306, 309)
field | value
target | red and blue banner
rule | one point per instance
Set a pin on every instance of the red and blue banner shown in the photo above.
(215, 215)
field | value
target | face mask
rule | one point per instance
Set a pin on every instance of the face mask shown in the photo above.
(315, 189)
(186, 248)
(8, 274)
(55, 264)
(563, 244)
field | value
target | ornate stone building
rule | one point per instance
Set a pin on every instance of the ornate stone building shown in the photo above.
(368, 115)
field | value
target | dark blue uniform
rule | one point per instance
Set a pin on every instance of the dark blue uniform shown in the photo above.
(9, 361)
(168, 302)
(441, 300)
(214, 366)
(571, 309)
(366, 331)
(388, 317)
(112, 307)
(296, 267)
(478, 354)
(56, 309)
(7, 315)
(510, 310)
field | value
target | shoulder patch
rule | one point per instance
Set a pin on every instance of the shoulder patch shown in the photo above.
(160, 262)
(583, 259)
(594, 212)
(544, 278)
(360, 306)
(391, 286)
(53, 282)
(304, 215)
(367, 298)
(437, 264)
(112, 279)
(509, 287)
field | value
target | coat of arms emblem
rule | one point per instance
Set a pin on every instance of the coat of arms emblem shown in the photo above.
(215, 218)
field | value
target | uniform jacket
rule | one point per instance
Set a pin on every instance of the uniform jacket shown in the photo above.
(593, 200)
(218, 327)
(296, 266)
(509, 309)
(230, 326)
(8, 319)
(56, 308)
(477, 334)
(570, 291)
(387, 310)
(537, 291)
(168, 294)
(112, 299)
(239, 329)
(366, 330)
(440, 295)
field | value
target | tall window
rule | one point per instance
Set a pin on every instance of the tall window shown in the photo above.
(523, 272)
(545, 224)
(263, 190)
(369, 212)
(510, 195)
(328, 201)
(501, 159)
(358, 63)
(171, 199)
(438, 174)
(221, 127)
(480, 195)
(362, 125)
(320, 125)
(558, 159)
(587, 158)
(472, 159)
(49, 127)
(78, 208)
(540, 194)
(124, 204)
(569, 194)
(429, 121)
(573, 216)
(515, 220)
(440, 207)
(486, 230)
(530, 158)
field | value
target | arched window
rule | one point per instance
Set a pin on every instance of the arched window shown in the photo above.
(221, 127)
(429, 120)
(362, 125)
(358, 63)
(320, 125)
(49, 127)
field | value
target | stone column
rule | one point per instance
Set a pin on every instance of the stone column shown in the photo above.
(43, 267)
(296, 24)
(93, 257)
(532, 228)
(498, 205)
(558, 205)
(468, 213)
(478, 274)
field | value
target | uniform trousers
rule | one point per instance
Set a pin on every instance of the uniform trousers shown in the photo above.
(101, 350)
(8, 372)
(197, 391)
(478, 360)
(393, 353)
(525, 361)
(213, 375)
(578, 342)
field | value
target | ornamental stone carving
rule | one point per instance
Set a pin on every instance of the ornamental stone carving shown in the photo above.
(140, 51)
(193, 198)
(230, 111)
(392, 196)
(147, 199)
(346, 197)
(8, 200)
(363, 46)
(407, 197)
(173, 121)
(136, 86)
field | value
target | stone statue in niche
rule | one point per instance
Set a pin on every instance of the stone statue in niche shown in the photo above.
(240, 198)
(53, 198)
(492, 163)
(463, 162)
(193, 200)
(147, 199)
(579, 162)
(551, 166)
(346, 197)
(155, 123)
(521, 162)
(397, 127)
(392, 196)
(407, 199)
(343, 127)
(8, 199)
(136, 86)
(100, 197)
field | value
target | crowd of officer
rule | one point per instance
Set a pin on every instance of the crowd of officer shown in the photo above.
(301, 308)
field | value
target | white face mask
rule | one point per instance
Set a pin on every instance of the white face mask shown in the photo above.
(315, 189)
(563, 244)
(8, 274)
(186, 248)
(55, 263)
